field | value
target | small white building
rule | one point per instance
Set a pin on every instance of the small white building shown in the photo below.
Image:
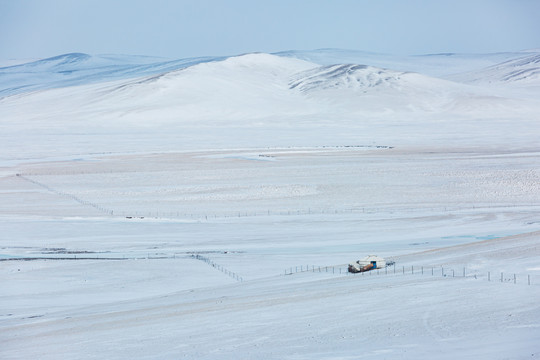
(377, 261)
(370, 262)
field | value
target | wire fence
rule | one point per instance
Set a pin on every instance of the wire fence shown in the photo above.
(91, 256)
(356, 210)
(67, 195)
(233, 275)
(339, 270)
(111, 257)
(435, 271)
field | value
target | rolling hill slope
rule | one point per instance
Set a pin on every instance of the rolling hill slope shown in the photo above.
(79, 69)
(521, 71)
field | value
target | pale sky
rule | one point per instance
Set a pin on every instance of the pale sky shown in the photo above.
(186, 28)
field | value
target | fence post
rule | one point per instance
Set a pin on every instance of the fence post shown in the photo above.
(412, 269)
(501, 277)
(529, 279)
(489, 276)
(514, 278)
(464, 271)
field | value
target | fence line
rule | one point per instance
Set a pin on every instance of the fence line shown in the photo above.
(308, 211)
(218, 267)
(116, 258)
(104, 256)
(67, 195)
(434, 271)
(256, 213)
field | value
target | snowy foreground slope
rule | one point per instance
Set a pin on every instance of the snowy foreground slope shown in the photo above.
(207, 208)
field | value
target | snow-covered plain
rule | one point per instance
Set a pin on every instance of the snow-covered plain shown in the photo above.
(160, 206)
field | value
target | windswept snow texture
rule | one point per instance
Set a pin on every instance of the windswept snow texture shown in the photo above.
(208, 208)
(345, 76)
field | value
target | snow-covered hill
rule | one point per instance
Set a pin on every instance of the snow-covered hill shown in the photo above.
(367, 89)
(252, 85)
(522, 71)
(79, 69)
(248, 97)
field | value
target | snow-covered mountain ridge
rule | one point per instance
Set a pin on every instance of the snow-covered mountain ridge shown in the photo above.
(242, 88)
(79, 68)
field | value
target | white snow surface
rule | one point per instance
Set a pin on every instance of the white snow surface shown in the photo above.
(208, 208)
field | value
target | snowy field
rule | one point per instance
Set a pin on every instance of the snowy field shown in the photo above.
(207, 209)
